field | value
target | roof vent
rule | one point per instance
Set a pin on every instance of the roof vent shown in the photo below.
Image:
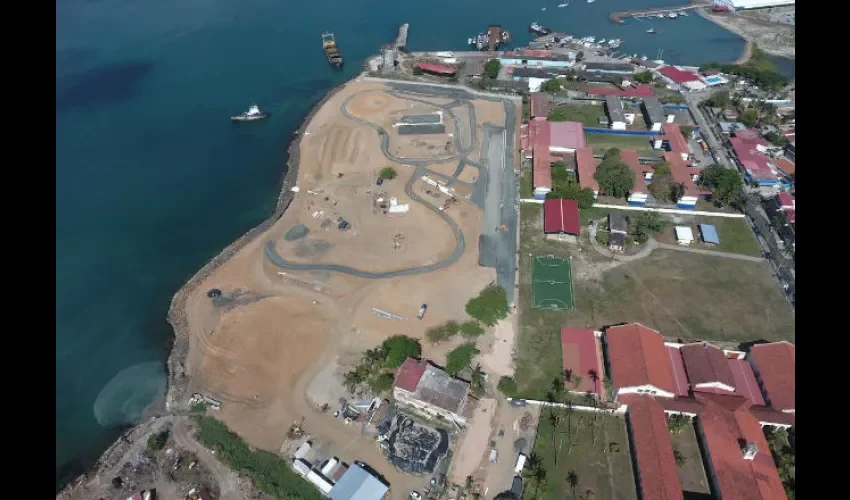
(750, 451)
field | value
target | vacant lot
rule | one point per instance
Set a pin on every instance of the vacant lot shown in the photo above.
(691, 471)
(735, 235)
(603, 467)
(588, 114)
(603, 142)
(682, 295)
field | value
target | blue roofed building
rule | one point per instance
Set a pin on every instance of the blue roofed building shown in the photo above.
(709, 234)
(358, 484)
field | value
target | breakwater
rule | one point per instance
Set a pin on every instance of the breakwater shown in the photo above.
(617, 17)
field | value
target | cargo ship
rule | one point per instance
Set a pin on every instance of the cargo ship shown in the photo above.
(331, 50)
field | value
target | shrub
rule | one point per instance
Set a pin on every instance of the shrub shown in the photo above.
(471, 329)
(460, 357)
(507, 386)
(388, 173)
(437, 334)
(398, 348)
(602, 237)
(492, 67)
(490, 306)
(157, 441)
(382, 383)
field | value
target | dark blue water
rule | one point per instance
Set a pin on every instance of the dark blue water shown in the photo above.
(153, 179)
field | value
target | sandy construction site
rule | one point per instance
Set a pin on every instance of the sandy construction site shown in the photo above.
(299, 298)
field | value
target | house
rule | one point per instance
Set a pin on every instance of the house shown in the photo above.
(737, 457)
(586, 168)
(358, 484)
(609, 68)
(749, 152)
(566, 137)
(643, 174)
(436, 69)
(653, 113)
(538, 137)
(582, 361)
(618, 228)
(656, 472)
(681, 79)
(424, 387)
(561, 218)
(539, 104)
(637, 361)
(614, 108)
(730, 114)
(673, 141)
(774, 368)
(684, 235)
(707, 368)
(784, 165)
(683, 174)
(729, 127)
(708, 234)
(523, 72)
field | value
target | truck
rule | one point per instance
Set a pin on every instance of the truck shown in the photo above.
(520, 464)
(422, 311)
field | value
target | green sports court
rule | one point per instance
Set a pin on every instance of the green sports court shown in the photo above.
(552, 283)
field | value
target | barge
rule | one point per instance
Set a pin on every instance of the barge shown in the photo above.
(331, 50)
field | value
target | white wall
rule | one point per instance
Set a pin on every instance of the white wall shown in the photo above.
(645, 389)
(618, 125)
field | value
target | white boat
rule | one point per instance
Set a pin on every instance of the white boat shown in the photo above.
(591, 39)
(660, 16)
(590, 1)
(643, 58)
(543, 9)
(683, 14)
(651, 31)
(672, 15)
(252, 114)
(600, 42)
(562, 5)
(470, 41)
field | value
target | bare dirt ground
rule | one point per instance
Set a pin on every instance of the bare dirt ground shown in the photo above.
(517, 424)
(288, 333)
(496, 357)
(475, 443)
(770, 36)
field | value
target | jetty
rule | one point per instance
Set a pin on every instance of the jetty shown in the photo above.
(617, 17)
(401, 39)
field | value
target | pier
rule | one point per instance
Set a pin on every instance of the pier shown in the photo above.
(617, 17)
(401, 40)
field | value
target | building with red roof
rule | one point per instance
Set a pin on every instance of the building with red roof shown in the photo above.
(409, 373)
(430, 390)
(561, 217)
(586, 169)
(707, 367)
(787, 204)
(436, 69)
(639, 191)
(774, 368)
(738, 461)
(566, 137)
(539, 104)
(684, 79)
(652, 449)
(749, 151)
(581, 355)
(745, 381)
(638, 361)
(642, 90)
(683, 174)
(542, 164)
(677, 369)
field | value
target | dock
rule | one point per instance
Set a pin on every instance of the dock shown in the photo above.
(617, 17)
(401, 39)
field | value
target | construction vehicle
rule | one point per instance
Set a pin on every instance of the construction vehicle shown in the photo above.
(331, 50)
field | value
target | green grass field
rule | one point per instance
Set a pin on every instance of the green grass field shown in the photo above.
(552, 283)
(735, 235)
(588, 114)
(603, 467)
(602, 142)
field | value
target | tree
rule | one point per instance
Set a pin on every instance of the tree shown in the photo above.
(552, 86)
(558, 115)
(492, 67)
(460, 357)
(644, 77)
(417, 70)
(750, 117)
(469, 482)
(686, 131)
(490, 306)
(388, 173)
(350, 380)
(776, 139)
(507, 386)
(157, 441)
(577, 380)
(471, 328)
(677, 423)
(719, 99)
(648, 223)
(673, 99)
(614, 177)
(572, 481)
(660, 169)
(382, 383)
(609, 387)
(477, 380)
(680, 458)
(437, 334)
(536, 472)
(725, 183)
(399, 348)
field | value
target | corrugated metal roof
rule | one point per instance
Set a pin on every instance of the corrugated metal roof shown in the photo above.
(709, 234)
(357, 484)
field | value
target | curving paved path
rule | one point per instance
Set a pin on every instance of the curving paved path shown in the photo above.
(419, 166)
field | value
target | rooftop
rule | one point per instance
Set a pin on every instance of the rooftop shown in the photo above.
(539, 138)
(567, 135)
(609, 67)
(678, 75)
(654, 110)
(586, 168)
(642, 90)
(706, 364)
(679, 170)
(775, 364)
(539, 104)
(358, 484)
(709, 234)
(638, 357)
(439, 69)
(582, 358)
(614, 108)
(561, 216)
(653, 449)
(785, 165)
(631, 159)
(673, 136)
(684, 233)
(617, 222)
(408, 375)
(787, 201)
(677, 368)
(439, 389)
(745, 381)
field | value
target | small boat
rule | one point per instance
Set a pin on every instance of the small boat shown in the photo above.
(470, 41)
(672, 15)
(562, 5)
(538, 29)
(253, 114)
(683, 14)
(543, 9)
(660, 16)
(331, 50)
(600, 42)
(590, 1)
(651, 31)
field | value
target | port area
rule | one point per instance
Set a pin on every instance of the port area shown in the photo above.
(298, 303)
(617, 16)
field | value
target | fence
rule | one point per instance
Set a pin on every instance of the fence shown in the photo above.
(592, 130)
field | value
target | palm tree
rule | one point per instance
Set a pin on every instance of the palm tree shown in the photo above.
(372, 357)
(594, 379)
(350, 380)
(477, 379)
(537, 473)
(469, 482)
(572, 481)
(577, 380)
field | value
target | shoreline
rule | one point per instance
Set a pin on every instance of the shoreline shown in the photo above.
(177, 381)
(764, 35)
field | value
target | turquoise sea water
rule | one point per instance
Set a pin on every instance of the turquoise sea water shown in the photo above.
(153, 179)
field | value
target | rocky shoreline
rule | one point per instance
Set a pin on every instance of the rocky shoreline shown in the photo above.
(176, 398)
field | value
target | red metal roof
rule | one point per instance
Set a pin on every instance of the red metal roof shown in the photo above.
(642, 90)
(542, 167)
(586, 168)
(768, 415)
(653, 449)
(785, 165)
(724, 431)
(523, 137)
(409, 373)
(637, 356)
(705, 364)
(775, 363)
(632, 160)
(582, 357)
(535, 52)
(568, 135)
(678, 75)
(673, 136)
(439, 69)
(539, 104)
(677, 367)
(679, 170)
(787, 201)
(745, 380)
(561, 216)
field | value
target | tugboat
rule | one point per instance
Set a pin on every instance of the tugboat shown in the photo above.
(538, 29)
(331, 50)
(253, 114)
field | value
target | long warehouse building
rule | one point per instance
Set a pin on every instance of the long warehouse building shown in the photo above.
(751, 4)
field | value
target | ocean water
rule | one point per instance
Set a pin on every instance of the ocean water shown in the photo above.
(153, 180)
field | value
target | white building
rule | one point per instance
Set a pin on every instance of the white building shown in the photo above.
(684, 235)
(751, 4)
